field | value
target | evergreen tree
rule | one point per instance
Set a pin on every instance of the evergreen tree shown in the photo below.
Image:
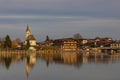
(8, 42)
(28, 45)
(47, 38)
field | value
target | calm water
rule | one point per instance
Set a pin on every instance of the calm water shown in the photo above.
(65, 66)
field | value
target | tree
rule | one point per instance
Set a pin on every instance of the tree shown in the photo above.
(2, 43)
(8, 42)
(28, 45)
(77, 36)
(47, 38)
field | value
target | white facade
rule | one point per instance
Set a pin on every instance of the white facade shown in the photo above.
(32, 42)
(30, 38)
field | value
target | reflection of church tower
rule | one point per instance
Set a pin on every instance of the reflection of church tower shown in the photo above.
(30, 62)
(27, 69)
(27, 32)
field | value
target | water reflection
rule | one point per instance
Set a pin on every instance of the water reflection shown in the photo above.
(76, 59)
(68, 58)
(6, 61)
(30, 62)
(64, 58)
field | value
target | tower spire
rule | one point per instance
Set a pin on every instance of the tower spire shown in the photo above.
(27, 32)
(27, 29)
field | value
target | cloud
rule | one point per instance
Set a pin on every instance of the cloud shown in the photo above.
(37, 18)
(59, 26)
(73, 20)
(97, 8)
(33, 17)
(56, 17)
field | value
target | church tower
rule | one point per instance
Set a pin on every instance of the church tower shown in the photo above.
(27, 32)
(30, 38)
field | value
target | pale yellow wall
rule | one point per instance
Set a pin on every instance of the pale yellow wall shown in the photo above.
(32, 42)
(27, 34)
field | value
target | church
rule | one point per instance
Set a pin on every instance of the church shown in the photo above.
(30, 38)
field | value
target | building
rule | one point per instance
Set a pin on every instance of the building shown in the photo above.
(84, 41)
(66, 44)
(115, 45)
(16, 44)
(97, 42)
(30, 38)
(48, 42)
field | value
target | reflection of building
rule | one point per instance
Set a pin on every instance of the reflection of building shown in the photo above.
(69, 57)
(66, 44)
(30, 38)
(84, 59)
(27, 69)
(8, 60)
(30, 62)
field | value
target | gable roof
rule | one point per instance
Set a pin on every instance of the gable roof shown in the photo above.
(30, 37)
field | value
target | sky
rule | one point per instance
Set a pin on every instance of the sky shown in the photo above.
(60, 18)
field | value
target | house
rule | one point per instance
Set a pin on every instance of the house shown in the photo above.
(115, 45)
(97, 42)
(101, 42)
(48, 42)
(66, 44)
(84, 41)
(16, 44)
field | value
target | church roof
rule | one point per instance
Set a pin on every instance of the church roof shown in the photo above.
(30, 37)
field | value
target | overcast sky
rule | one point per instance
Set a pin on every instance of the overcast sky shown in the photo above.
(60, 18)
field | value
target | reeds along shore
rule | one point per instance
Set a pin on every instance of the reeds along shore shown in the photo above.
(16, 52)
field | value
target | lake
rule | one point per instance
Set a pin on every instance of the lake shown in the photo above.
(64, 66)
